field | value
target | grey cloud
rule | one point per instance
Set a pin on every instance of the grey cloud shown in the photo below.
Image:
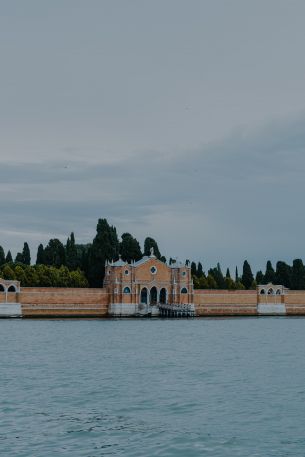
(230, 196)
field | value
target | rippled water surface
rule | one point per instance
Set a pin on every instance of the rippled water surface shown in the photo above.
(206, 387)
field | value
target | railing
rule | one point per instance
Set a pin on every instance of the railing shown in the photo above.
(177, 310)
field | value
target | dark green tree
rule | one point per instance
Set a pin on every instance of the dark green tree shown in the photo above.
(283, 274)
(199, 270)
(236, 275)
(2, 256)
(259, 277)
(269, 274)
(151, 243)
(8, 258)
(193, 269)
(26, 254)
(72, 260)
(54, 253)
(130, 248)
(105, 246)
(19, 258)
(228, 275)
(247, 276)
(40, 255)
(298, 275)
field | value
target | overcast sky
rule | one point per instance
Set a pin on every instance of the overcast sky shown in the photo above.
(177, 119)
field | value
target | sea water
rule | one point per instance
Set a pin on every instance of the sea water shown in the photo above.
(197, 387)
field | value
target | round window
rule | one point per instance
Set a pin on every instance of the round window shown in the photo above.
(153, 270)
(184, 273)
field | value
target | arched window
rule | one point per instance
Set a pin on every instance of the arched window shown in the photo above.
(184, 290)
(162, 299)
(153, 296)
(278, 292)
(12, 288)
(271, 291)
(126, 290)
(143, 297)
(2, 288)
(262, 292)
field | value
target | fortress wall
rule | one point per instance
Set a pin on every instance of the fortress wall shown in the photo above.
(225, 302)
(12, 297)
(63, 302)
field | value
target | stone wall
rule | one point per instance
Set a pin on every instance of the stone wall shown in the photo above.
(225, 302)
(62, 302)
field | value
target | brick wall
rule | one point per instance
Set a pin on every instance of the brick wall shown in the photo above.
(63, 302)
(225, 302)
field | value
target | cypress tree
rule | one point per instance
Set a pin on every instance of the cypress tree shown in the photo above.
(259, 277)
(236, 275)
(19, 258)
(2, 256)
(270, 274)
(40, 255)
(105, 246)
(130, 248)
(54, 253)
(8, 257)
(193, 269)
(199, 270)
(151, 243)
(71, 253)
(228, 276)
(298, 275)
(283, 274)
(26, 254)
(247, 276)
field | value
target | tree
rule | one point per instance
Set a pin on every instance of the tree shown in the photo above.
(26, 254)
(270, 274)
(2, 256)
(228, 275)
(71, 253)
(259, 277)
(54, 253)
(8, 258)
(298, 275)
(193, 269)
(247, 276)
(105, 246)
(151, 243)
(40, 255)
(218, 276)
(283, 274)
(130, 248)
(199, 270)
(19, 258)
(236, 275)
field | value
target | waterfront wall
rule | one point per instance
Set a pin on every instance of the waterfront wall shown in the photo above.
(226, 302)
(66, 302)
(52, 302)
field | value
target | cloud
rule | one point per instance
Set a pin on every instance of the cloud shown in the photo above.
(231, 199)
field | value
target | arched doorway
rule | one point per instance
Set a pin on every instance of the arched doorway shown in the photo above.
(2, 288)
(153, 296)
(143, 297)
(163, 294)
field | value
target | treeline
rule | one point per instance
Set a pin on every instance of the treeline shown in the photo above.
(74, 265)
(82, 265)
(291, 276)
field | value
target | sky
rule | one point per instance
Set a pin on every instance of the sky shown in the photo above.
(177, 119)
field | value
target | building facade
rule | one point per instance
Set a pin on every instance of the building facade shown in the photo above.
(142, 288)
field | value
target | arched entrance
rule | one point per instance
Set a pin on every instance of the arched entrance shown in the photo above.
(12, 288)
(163, 294)
(143, 298)
(153, 296)
(2, 288)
